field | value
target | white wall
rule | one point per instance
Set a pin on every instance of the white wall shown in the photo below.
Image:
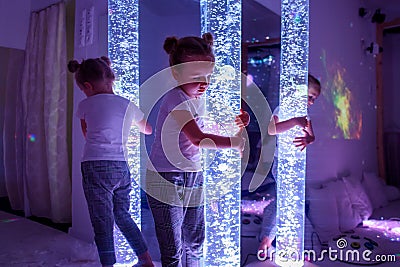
(81, 227)
(14, 21)
(336, 32)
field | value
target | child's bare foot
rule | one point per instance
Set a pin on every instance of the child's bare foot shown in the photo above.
(265, 244)
(143, 264)
(144, 260)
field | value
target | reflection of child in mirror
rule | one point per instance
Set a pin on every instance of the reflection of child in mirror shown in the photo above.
(178, 210)
(105, 172)
(268, 229)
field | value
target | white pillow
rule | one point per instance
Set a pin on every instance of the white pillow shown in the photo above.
(348, 217)
(358, 197)
(323, 213)
(392, 193)
(375, 189)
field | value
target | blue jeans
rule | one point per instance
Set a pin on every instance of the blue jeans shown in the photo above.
(107, 185)
(178, 217)
(268, 227)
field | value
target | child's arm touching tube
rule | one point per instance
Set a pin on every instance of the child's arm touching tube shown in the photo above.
(307, 139)
(276, 127)
(205, 140)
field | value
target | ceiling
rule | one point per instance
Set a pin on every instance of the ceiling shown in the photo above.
(260, 16)
(273, 5)
(389, 7)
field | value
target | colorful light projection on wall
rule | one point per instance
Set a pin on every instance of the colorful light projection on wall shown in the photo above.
(291, 161)
(222, 168)
(347, 114)
(123, 50)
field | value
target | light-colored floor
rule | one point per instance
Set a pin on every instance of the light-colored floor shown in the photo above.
(25, 243)
(29, 244)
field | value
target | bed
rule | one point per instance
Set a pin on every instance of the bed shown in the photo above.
(348, 214)
(355, 215)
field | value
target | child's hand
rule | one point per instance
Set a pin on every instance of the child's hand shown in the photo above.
(301, 121)
(304, 141)
(243, 119)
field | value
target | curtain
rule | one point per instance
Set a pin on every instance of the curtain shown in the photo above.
(42, 183)
(13, 60)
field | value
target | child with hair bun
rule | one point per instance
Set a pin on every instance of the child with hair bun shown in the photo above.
(105, 121)
(174, 177)
(276, 126)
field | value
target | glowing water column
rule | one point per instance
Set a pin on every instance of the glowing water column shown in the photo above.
(291, 161)
(222, 168)
(123, 50)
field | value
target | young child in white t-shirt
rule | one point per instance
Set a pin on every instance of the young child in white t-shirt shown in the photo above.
(174, 180)
(268, 228)
(106, 120)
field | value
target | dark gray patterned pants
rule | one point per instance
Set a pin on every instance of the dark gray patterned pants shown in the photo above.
(107, 185)
(178, 213)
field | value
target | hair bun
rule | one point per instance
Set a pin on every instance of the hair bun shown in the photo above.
(208, 37)
(73, 66)
(170, 44)
(106, 60)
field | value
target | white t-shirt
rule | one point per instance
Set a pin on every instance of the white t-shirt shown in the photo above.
(108, 118)
(172, 151)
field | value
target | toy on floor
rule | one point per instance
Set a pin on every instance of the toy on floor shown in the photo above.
(353, 248)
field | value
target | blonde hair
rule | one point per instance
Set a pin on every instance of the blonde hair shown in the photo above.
(314, 82)
(92, 69)
(180, 50)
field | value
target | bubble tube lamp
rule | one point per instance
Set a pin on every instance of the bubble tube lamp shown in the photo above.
(223, 167)
(123, 50)
(291, 161)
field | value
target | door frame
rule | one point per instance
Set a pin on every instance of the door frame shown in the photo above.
(379, 95)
